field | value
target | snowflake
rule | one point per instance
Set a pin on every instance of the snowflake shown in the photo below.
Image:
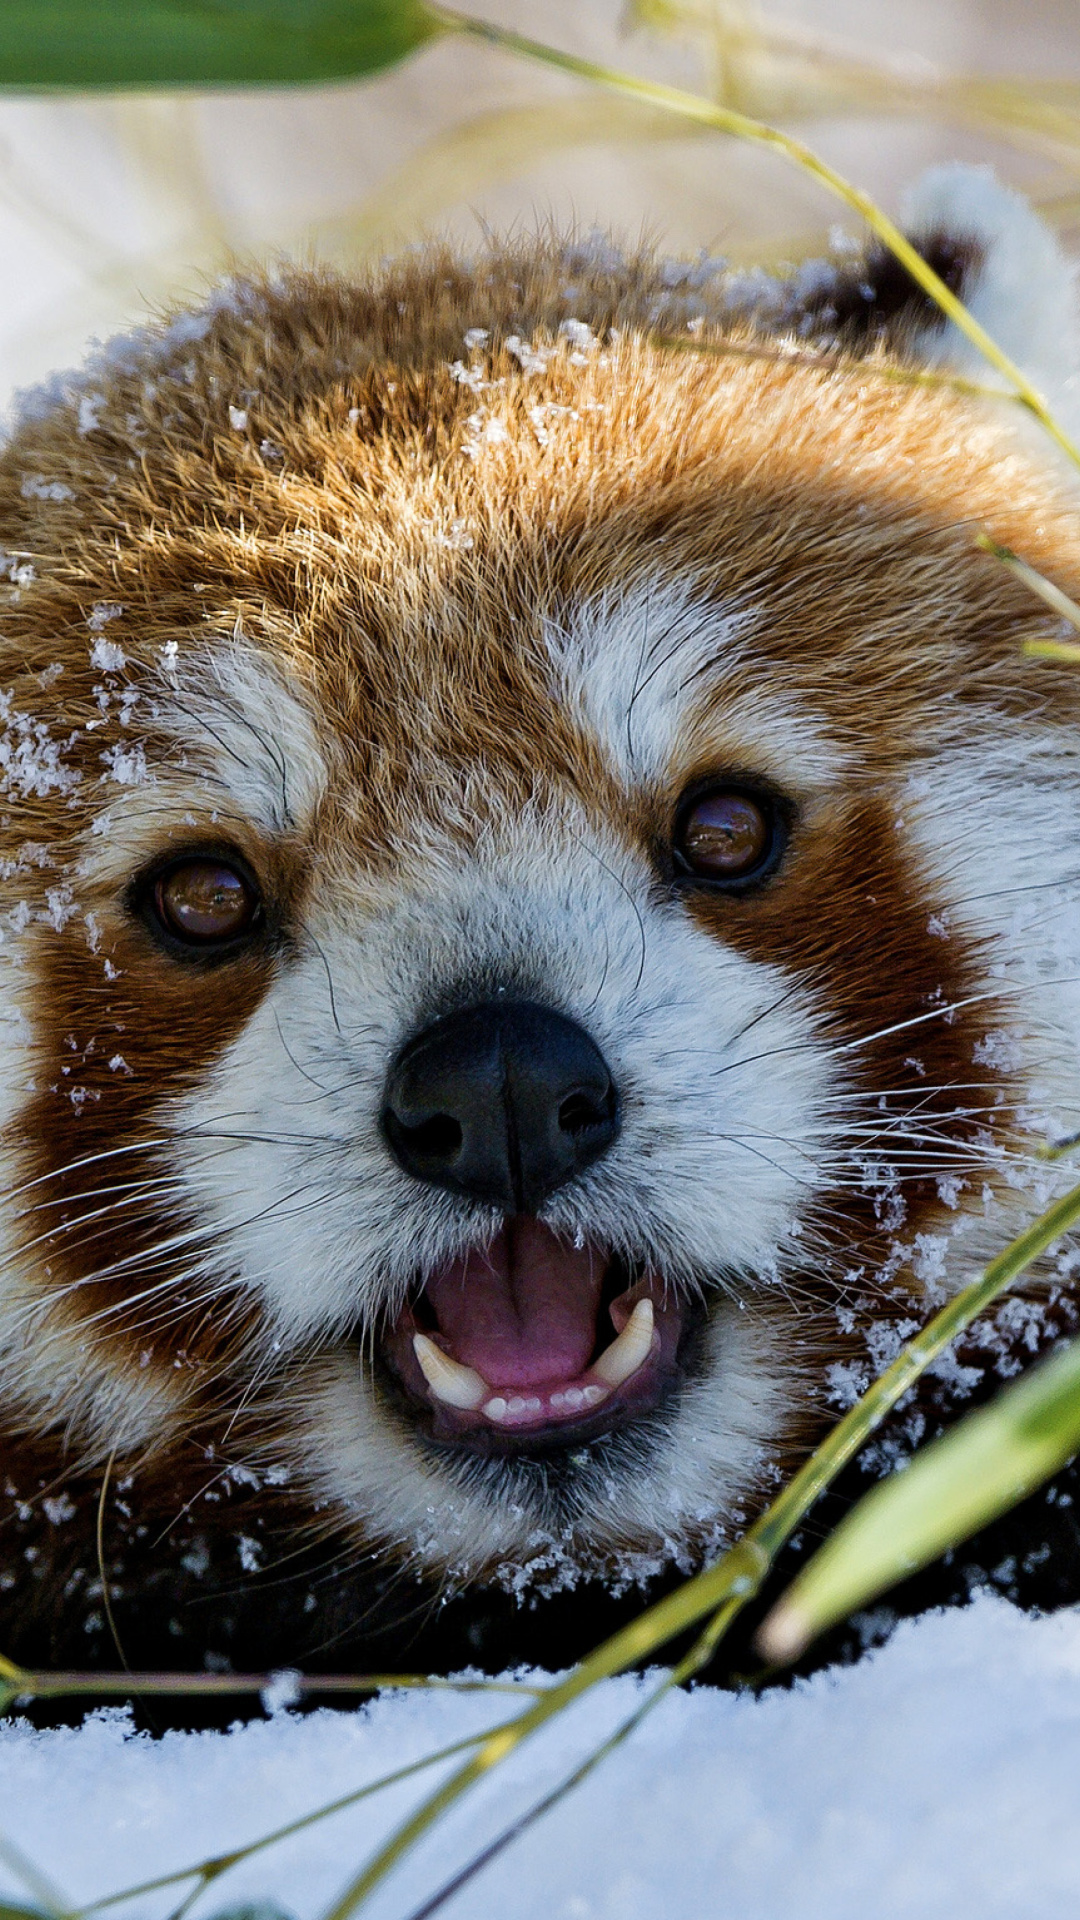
(36, 487)
(250, 1553)
(102, 612)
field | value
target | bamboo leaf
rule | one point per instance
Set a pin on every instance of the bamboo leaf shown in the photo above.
(993, 1458)
(203, 43)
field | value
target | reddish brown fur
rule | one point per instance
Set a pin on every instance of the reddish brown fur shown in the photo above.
(839, 501)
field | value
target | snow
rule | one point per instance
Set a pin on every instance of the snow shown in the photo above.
(938, 1778)
(99, 617)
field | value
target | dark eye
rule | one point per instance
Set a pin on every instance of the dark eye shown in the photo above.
(204, 902)
(727, 835)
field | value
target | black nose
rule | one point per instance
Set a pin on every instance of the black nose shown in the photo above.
(503, 1101)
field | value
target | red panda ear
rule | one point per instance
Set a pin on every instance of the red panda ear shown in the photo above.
(1018, 285)
(993, 251)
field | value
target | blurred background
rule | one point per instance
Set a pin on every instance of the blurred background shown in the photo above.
(111, 205)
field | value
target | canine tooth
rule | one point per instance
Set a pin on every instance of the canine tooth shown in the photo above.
(450, 1382)
(625, 1355)
(496, 1408)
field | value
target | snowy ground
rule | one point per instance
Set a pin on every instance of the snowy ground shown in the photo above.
(940, 1778)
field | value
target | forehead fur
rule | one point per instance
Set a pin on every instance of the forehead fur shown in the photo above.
(403, 490)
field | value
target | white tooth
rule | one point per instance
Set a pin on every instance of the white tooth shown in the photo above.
(450, 1382)
(496, 1409)
(574, 1397)
(625, 1355)
(593, 1395)
(516, 1405)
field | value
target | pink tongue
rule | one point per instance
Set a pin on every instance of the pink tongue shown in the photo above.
(524, 1311)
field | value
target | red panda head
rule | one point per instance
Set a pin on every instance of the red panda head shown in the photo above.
(539, 893)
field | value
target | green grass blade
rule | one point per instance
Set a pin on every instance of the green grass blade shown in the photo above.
(49, 1902)
(17, 1683)
(204, 1872)
(704, 112)
(722, 1590)
(1059, 602)
(203, 43)
(1062, 650)
(978, 1470)
(698, 1657)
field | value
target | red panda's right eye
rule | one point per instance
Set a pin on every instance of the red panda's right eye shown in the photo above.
(205, 903)
(726, 836)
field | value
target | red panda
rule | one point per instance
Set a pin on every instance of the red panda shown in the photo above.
(540, 909)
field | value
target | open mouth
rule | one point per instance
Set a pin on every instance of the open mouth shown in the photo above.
(531, 1342)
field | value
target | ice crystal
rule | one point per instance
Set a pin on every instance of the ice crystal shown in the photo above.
(101, 613)
(127, 764)
(35, 486)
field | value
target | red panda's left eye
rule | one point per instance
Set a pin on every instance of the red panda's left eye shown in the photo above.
(725, 835)
(205, 902)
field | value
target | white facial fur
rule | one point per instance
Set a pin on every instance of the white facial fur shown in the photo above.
(734, 1113)
(219, 774)
(733, 1104)
(1002, 844)
(656, 676)
(727, 1092)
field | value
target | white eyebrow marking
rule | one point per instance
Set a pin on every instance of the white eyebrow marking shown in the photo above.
(228, 747)
(630, 662)
(235, 713)
(664, 676)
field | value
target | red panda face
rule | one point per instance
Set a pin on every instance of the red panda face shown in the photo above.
(537, 898)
